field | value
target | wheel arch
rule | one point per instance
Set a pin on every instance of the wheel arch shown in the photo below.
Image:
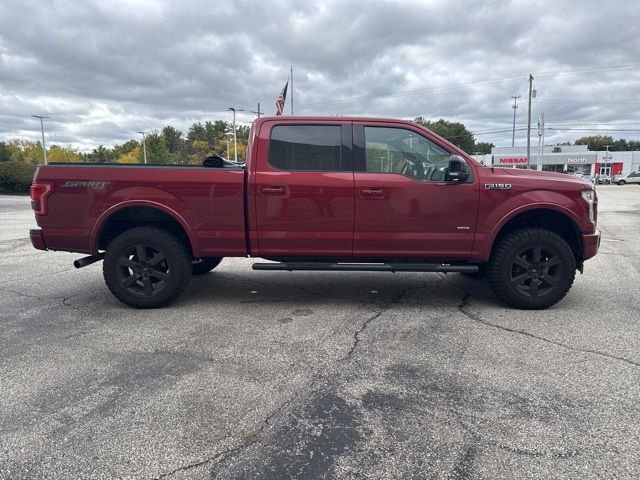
(124, 216)
(558, 221)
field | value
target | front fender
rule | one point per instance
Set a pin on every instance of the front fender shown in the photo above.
(494, 219)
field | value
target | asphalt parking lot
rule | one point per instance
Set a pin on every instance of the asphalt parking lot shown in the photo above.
(319, 375)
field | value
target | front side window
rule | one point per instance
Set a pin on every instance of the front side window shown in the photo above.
(397, 150)
(306, 147)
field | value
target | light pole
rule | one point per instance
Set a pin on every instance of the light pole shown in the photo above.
(44, 147)
(514, 106)
(607, 157)
(235, 139)
(144, 146)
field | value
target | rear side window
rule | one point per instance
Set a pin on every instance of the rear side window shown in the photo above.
(307, 147)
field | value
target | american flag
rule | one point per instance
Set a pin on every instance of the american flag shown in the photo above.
(281, 98)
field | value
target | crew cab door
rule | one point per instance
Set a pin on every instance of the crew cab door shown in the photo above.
(404, 207)
(304, 189)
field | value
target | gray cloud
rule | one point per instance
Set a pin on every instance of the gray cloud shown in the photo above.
(103, 70)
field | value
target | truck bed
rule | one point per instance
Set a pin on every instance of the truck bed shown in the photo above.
(85, 200)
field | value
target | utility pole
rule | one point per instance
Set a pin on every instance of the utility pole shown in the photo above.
(258, 112)
(235, 139)
(144, 146)
(529, 119)
(540, 140)
(514, 106)
(291, 89)
(44, 147)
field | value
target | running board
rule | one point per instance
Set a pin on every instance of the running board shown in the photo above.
(367, 267)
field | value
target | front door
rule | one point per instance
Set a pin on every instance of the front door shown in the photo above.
(403, 205)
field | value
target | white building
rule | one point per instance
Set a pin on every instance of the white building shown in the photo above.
(564, 158)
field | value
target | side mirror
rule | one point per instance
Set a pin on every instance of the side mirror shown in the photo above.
(213, 162)
(457, 171)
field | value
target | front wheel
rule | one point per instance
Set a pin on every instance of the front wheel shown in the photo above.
(146, 267)
(621, 182)
(531, 269)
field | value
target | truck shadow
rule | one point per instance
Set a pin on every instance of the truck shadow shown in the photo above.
(427, 289)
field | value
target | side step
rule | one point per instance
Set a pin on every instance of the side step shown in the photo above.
(367, 267)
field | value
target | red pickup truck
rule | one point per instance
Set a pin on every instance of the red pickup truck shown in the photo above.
(322, 193)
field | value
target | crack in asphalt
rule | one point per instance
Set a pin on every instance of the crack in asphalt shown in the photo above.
(356, 335)
(248, 440)
(386, 306)
(529, 452)
(189, 466)
(464, 308)
(64, 300)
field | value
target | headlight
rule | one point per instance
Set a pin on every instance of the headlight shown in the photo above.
(589, 196)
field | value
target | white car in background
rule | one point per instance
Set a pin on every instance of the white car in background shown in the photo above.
(633, 177)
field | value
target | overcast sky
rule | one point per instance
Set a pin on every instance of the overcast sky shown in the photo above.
(105, 69)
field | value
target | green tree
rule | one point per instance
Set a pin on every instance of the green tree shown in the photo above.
(455, 132)
(201, 150)
(172, 139)
(58, 154)
(127, 147)
(101, 154)
(595, 142)
(175, 143)
(5, 152)
(132, 156)
(483, 147)
(157, 151)
(26, 151)
(633, 145)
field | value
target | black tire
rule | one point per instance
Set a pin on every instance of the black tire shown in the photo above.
(205, 264)
(531, 269)
(621, 182)
(146, 267)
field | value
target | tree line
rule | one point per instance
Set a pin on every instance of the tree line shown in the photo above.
(166, 146)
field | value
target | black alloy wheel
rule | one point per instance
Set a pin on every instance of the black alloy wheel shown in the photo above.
(146, 267)
(531, 268)
(535, 271)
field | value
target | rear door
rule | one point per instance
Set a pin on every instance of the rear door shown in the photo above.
(403, 205)
(304, 189)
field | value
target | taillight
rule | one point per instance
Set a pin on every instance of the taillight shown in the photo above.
(39, 193)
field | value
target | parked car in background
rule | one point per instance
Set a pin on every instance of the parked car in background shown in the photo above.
(633, 177)
(603, 179)
(586, 176)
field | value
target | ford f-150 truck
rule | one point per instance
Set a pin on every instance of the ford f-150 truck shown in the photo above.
(322, 193)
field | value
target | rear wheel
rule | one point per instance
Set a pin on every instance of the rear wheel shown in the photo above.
(205, 264)
(531, 269)
(146, 267)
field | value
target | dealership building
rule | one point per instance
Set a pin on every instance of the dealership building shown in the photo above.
(565, 158)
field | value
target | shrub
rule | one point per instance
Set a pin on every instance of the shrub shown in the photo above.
(15, 177)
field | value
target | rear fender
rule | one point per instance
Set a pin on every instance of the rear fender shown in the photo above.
(107, 214)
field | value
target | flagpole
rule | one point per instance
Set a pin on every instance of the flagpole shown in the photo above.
(291, 89)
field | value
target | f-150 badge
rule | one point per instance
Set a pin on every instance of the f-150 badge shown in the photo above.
(497, 186)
